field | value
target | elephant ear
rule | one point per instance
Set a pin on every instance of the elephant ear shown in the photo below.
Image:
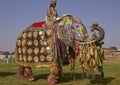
(61, 23)
(64, 32)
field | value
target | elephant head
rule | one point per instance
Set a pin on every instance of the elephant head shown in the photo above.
(70, 29)
(97, 38)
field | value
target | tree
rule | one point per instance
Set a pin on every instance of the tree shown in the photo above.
(12, 53)
(113, 48)
(6, 53)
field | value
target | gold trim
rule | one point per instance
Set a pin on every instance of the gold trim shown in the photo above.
(41, 42)
(30, 50)
(36, 42)
(24, 50)
(84, 43)
(18, 42)
(49, 32)
(29, 58)
(49, 57)
(23, 42)
(24, 35)
(36, 59)
(42, 58)
(29, 42)
(29, 35)
(35, 34)
(24, 58)
(19, 50)
(42, 50)
(40, 32)
(20, 57)
(37, 65)
(36, 50)
(45, 43)
(42, 37)
(47, 48)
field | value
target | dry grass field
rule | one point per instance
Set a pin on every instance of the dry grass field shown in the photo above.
(111, 71)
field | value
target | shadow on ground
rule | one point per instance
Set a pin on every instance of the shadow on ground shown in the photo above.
(78, 76)
(4, 74)
(41, 76)
(66, 78)
(104, 81)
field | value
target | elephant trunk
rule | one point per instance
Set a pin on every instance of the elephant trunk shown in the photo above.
(99, 37)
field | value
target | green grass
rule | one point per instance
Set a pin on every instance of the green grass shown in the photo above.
(8, 75)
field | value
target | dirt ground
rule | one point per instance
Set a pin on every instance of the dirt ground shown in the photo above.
(112, 55)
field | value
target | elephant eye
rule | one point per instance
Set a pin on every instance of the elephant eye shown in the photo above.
(77, 26)
(79, 34)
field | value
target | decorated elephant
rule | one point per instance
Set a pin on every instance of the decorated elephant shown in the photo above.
(33, 46)
(55, 41)
(91, 53)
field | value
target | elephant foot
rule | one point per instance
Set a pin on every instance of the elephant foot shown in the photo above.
(54, 77)
(31, 79)
(20, 77)
(20, 73)
(29, 74)
(52, 80)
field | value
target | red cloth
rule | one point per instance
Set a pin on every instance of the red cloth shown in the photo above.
(38, 24)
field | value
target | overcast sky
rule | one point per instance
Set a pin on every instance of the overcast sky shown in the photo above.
(16, 15)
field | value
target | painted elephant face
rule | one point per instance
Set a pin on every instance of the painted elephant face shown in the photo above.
(80, 30)
(73, 28)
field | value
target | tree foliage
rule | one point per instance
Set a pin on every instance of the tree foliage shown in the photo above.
(113, 48)
(6, 53)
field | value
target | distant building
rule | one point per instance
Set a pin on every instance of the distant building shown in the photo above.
(1, 53)
(4, 56)
(118, 49)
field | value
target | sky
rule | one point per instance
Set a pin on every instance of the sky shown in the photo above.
(17, 15)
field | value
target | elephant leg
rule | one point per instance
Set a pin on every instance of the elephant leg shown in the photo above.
(72, 61)
(72, 67)
(20, 72)
(54, 76)
(29, 74)
(100, 69)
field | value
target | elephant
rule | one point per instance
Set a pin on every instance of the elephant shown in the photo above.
(40, 46)
(90, 51)
(91, 54)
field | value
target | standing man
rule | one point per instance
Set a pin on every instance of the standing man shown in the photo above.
(7, 59)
